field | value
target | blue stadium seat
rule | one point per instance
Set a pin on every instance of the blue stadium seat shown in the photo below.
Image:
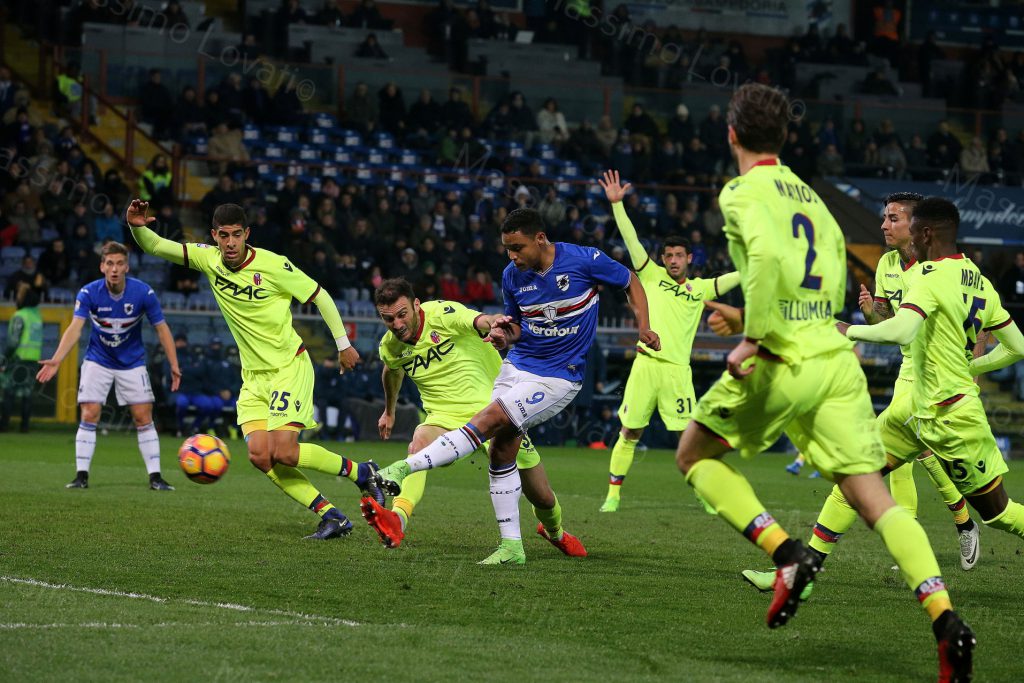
(172, 300)
(544, 151)
(364, 174)
(321, 120)
(384, 140)
(14, 252)
(198, 144)
(308, 153)
(36, 251)
(430, 177)
(276, 152)
(284, 133)
(376, 156)
(250, 133)
(351, 138)
(396, 175)
(343, 156)
(319, 137)
(329, 171)
(408, 157)
(61, 296)
(570, 169)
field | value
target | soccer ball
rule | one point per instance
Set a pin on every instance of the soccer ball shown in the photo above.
(203, 458)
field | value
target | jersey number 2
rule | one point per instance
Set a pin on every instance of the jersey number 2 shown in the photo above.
(802, 221)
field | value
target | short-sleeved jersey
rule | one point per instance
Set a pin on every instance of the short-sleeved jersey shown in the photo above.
(675, 310)
(558, 309)
(956, 302)
(890, 284)
(791, 256)
(116, 338)
(452, 367)
(256, 300)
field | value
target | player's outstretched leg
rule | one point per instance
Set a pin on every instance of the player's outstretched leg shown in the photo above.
(621, 460)
(444, 450)
(546, 507)
(968, 532)
(907, 543)
(731, 495)
(362, 474)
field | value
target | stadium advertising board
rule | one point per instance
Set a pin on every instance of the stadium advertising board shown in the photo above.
(988, 215)
(760, 17)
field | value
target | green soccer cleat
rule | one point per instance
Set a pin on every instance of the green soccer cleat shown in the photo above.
(708, 508)
(765, 582)
(391, 477)
(509, 552)
(610, 505)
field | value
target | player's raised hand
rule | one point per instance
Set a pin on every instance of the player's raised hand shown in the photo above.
(136, 215)
(47, 372)
(347, 359)
(385, 424)
(725, 320)
(866, 301)
(745, 350)
(175, 378)
(651, 339)
(613, 190)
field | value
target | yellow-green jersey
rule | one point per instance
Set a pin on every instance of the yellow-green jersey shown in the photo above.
(791, 256)
(956, 302)
(676, 309)
(449, 362)
(256, 300)
(890, 284)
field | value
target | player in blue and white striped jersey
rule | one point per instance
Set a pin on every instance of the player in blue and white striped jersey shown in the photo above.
(551, 304)
(114, 307)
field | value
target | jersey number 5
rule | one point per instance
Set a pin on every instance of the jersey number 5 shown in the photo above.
(973, 322)
(802, 221)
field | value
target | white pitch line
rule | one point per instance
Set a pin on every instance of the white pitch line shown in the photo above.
(164, 624)
(197, 603)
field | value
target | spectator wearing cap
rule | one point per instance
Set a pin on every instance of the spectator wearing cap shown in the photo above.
(680, 128)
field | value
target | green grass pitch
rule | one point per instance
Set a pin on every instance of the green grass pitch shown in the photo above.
(214, 583)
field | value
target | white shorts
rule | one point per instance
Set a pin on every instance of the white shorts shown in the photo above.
(132, 387)
(530, 399)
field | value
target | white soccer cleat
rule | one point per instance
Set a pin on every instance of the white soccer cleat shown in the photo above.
(969, 547)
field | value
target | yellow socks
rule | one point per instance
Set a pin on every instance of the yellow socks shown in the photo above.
(947, 489)
(412, 494)
(622, 460)
(1011, 519)
(299, 489)
(551, 519)
(318, 458)
(728, 492)
(908, 545)
(904, 490)
(834, 520)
